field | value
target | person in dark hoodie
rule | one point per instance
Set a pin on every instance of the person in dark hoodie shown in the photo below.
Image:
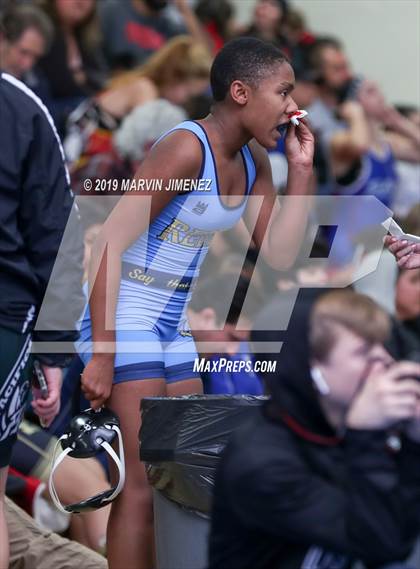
(327, 476)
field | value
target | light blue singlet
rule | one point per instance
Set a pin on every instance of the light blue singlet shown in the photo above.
(158, 274)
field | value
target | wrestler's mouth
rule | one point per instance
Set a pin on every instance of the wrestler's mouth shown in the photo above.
(293, 118)
(282, 128)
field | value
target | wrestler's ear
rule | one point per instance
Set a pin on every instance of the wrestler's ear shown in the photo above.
(239, 92)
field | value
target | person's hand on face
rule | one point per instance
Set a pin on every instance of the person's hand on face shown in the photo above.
(388, 396)
(391, 117)
(299, 145)
(372, 100)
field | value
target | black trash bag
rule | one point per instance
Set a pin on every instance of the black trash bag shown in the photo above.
(182, 438)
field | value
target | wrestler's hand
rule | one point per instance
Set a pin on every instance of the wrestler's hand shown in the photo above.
(97, 378)
(299, 145)
(407, 254)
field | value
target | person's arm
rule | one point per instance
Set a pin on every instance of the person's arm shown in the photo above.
(403, 135)
(121, 100)
(46, 206)
(179, 155)
(277, 230)
(47, 213)
(402, 147)
(350, 144)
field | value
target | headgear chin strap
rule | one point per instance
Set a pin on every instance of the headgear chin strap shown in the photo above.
(87, 434)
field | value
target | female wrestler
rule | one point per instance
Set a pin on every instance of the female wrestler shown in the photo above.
(141, 273)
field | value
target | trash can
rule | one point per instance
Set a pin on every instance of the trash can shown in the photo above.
(181, 441)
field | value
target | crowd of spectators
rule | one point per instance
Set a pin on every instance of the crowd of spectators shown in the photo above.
(117, 74)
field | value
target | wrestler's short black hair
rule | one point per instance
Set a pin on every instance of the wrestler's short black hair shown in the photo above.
(245, 59)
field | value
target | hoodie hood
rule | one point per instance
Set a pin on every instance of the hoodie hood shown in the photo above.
(290, 386)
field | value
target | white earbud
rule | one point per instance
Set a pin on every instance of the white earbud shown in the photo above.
(319, 380)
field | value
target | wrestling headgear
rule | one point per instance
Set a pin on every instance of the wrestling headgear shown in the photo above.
(88, 434)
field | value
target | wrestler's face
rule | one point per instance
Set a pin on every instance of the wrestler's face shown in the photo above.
(268, 105)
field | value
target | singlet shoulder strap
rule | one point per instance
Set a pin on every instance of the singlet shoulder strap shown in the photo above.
(251, 169)
(192, 127)
(200, 133)
(206, 170)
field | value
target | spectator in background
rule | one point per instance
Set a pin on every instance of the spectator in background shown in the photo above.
(31, 546)
(332, 69)
(126, 149)
(363, 160)
(220, 325)
(332, 74)
(407, 300)
(170, 78)
(5, 5)
(298, 38)
(296, 31)
(176, 72)
(73, 68)
(36, 206)
(134, 29)
(74, 480)
(216, 17)
(267, 23)
(26, 35)
(143, 126)
(276, 22)
(408, 185)
(312, 481)
(407, 292)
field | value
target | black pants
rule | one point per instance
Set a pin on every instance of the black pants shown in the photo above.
(15, 369)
